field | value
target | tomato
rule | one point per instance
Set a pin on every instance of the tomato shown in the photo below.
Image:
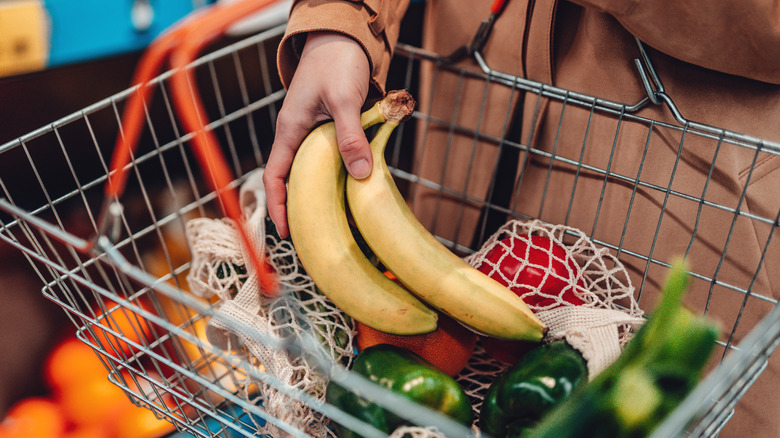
(537, 269)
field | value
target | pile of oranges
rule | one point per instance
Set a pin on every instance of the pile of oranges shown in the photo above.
(81, 403)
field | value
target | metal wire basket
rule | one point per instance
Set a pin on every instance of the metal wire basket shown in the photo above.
(127, 296)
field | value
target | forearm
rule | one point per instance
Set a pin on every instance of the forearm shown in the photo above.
(374, 24)
(740, 37)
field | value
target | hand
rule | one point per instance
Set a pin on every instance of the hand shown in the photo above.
(330, 82)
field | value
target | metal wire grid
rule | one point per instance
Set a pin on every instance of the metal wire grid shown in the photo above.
(708, 409)
(126, 294)
(58, 177)
(138, 274)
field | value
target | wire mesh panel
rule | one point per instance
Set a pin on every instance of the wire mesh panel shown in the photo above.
(492, 148)
(153, 344)
(638, 178)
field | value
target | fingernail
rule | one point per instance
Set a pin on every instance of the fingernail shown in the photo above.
(359, 169)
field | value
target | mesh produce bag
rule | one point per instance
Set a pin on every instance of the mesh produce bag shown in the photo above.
(598, 326)
(219, 268)
(602, 320)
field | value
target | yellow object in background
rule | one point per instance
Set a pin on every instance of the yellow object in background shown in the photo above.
(24, 36)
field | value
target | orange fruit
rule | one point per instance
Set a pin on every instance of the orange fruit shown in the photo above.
(94, 402)
(95, 431)
(33, 417)
(123, 321)
(138, 422)
(70, 364)
(80, 382)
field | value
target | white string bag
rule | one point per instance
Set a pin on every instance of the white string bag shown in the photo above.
(220, 267)
(598, 328)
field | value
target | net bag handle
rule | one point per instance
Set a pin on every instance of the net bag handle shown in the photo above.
(181, 44)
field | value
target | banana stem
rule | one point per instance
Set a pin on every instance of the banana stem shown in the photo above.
(371, 117)
(397, 106)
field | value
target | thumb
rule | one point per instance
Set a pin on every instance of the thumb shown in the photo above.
(353, 143)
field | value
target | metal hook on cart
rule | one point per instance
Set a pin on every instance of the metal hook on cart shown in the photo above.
(653, 85)
(656, 93)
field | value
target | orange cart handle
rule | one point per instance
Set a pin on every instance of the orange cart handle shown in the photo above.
(182, 44)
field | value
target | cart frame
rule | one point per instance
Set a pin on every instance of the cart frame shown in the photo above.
(96, 272)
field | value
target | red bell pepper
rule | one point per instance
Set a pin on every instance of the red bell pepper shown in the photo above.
(537, 269)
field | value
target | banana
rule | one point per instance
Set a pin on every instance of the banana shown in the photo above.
(424, 265)
(322, 237)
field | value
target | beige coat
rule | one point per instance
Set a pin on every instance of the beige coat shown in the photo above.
(719, 62)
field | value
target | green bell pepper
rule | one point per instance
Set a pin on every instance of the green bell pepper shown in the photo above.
(656, 370)
(407, 374)
(523, 393)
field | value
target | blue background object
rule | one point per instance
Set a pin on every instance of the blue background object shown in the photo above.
(88, 29)
(234, 415)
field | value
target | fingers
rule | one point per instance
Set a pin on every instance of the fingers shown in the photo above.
(343, 94)
(276, 192)
(353, 144)
(289, 136)
(330, 81)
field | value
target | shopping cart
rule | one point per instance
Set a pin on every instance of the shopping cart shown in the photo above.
(128, 296)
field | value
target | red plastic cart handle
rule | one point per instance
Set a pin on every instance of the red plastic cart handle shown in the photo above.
(181, 44)
(497, 6)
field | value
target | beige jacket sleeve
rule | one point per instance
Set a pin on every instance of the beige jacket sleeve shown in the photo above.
(375, 24)
(739, 37)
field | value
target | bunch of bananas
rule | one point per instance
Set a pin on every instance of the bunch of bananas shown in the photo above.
(318, 190)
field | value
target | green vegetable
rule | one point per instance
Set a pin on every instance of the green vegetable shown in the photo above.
(522, 394)
(407, 374)
(657, 369)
